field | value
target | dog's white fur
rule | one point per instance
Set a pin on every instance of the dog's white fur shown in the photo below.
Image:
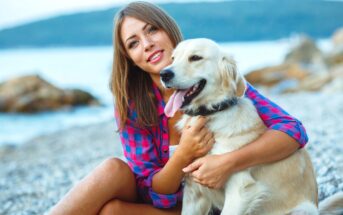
(284, 187)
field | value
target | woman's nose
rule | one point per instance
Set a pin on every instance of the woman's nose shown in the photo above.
(148, 43)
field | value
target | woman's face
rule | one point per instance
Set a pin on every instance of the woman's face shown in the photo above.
(148, 47)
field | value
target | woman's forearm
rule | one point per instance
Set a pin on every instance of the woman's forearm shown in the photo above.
(168, 180)
(272, 146)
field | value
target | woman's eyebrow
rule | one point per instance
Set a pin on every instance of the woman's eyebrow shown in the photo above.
(143, 29)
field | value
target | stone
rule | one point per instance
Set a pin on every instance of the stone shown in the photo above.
(337, 38)
(270, 76)
(307, 54)
(31, 93)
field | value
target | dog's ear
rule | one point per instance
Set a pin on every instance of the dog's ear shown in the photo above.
(227, 67)
(241, 85)
(228, 70)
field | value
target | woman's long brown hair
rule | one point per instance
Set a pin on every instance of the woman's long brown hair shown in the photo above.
(129, 81)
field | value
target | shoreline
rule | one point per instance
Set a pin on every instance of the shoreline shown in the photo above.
(36, 174)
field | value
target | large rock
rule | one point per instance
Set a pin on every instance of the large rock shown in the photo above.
(329, 82)
(335, 57)
(315, 82)
(337, 38)
(32, 94)
(270, 76)
(336, 84)
(307, 54)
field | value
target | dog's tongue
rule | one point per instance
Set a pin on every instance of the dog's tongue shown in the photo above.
(174, 103)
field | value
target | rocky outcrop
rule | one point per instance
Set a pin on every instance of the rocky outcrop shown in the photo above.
(305, 68)
(270, 76)
(337, 38)
(31, 93)
(304, 52)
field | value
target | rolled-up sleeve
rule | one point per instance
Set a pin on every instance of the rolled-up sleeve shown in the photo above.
(143, 158)
(274, 117)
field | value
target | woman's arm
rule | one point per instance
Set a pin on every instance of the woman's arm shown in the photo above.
(195, 142)
(284, 136)
(213, 170)
(143, 157)
(158, 183)
(272, 146)
(275, 118)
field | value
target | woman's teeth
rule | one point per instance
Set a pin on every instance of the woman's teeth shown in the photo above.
(155, 57)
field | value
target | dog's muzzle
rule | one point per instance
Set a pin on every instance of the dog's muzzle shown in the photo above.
(166, 75)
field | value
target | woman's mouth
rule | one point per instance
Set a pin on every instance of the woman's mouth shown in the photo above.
(155, 57)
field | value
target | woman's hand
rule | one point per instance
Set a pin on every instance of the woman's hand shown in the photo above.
(196, 140)
(211, 171)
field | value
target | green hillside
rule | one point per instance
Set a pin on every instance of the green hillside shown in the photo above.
(221, 21)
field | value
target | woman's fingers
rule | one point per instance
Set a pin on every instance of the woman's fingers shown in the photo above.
(208, 136)
(199, 124)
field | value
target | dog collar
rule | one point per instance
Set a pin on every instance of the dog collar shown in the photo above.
(204, 111)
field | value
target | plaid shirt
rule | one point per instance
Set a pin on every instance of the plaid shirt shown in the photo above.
(147, 149)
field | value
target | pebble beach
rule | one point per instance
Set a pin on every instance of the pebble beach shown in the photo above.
(36, 174)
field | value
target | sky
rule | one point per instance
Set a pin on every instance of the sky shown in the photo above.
(16, 12)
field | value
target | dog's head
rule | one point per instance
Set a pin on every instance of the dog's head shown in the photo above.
(202, 74)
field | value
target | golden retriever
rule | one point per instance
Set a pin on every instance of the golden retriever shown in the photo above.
(207, 83)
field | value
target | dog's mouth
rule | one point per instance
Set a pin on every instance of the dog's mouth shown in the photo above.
(193, 92)
(183, 97)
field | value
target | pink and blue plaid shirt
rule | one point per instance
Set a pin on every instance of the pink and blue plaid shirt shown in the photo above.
(147, 149)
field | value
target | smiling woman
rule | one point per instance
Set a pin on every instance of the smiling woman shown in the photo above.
(150, 181)
(136, 38)
(149, 47)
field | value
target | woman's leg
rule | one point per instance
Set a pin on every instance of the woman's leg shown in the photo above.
(115, 207)
(109, 189)
(112, 179)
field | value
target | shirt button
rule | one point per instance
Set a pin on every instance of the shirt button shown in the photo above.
(165, 150)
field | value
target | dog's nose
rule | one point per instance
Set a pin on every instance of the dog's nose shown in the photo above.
(166, 75)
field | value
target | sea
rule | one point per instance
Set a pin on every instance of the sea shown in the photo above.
(89, 69)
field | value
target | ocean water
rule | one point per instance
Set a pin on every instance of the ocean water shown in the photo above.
(89, 68)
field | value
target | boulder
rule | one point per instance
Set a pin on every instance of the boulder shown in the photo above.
(337, 39)
(329, 82)
(31, 93)
(307, 54)
(334, 58)
(270, 76)
(315, 82)
(336, 84)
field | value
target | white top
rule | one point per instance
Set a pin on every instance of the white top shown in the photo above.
(172, 149)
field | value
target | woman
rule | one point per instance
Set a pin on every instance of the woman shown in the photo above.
(150, 181)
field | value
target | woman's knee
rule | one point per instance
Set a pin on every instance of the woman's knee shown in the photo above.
(119, 177)
(115, 167)
(112, 207)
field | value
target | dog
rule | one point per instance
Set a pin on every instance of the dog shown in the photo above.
(207, 83)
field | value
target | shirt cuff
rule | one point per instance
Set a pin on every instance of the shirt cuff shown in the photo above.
(163, 200)
(294, 129)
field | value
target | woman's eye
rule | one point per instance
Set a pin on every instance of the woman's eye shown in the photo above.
(132, 44)
(152, 29)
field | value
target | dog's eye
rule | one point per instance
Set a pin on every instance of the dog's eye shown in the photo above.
(172, 58)
(194, 58)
